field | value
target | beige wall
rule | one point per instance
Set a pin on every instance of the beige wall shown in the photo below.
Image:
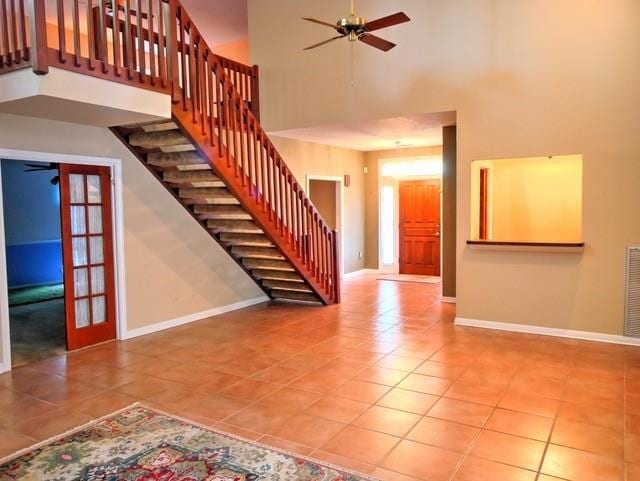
(526, 78)
(325, 196)
(372, 193)
(307, 158)
(173, 268)
(238, 50)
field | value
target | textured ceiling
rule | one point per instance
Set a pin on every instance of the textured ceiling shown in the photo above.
(412, 131)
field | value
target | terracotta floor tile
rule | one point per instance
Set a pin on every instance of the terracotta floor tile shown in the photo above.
(589, 414)
(422, 461)
(477, 469)
(294, 399)
(475, 392)
(410, 401)
(590, 438)
(361, 444)
(250, 389)
(461, 412)
(530, 403)
(362, 391)
(425, 384)
(575, 465)
(633, 472)
(520, 424)
(386, 420)
(261, 418)
(278, 374)
(337, 409)
(381, 375)
(439, 369)
(443, 434)
(387, 475)
(307, 430)
(286, 445)
(507, 449)
(632, 448)
(399, 363)
(342, 461)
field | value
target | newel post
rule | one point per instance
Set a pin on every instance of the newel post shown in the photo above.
(336, 266)
(255, 92)
(171, 18)
(38, 36)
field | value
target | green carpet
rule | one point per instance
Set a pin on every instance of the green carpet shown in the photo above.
(29, 295)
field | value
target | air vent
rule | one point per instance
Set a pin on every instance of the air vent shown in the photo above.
(632, 292)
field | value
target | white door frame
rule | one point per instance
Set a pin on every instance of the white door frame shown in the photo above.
(118, 241)
(340, 229)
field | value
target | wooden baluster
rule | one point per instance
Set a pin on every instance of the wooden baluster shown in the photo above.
(62, 41)
(270, 180)
(91, 35)
(140, 33)
(227, 110)
(296, 225)
(212, 98)
(75, 15)
(257, 159)
(336, 266)
(287, 201)
(183, 63)
(234, 131)
(263, 172)
(152, 45)
(14, 32)
(255, 92)
(128, 41)
(316, 245)
(23, 31)
(4, 29)
(325, 246)
(102, 36)
(221, 115)
(38, 35)
(192, 72)
(243, 147)
(250, 156)
(281, 197)
(162, 54)
(115, 38)
(173, 73)
(321, 251)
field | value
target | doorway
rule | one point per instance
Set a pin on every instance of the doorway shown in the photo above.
(327, 195)
(419, 227)
(60, 291)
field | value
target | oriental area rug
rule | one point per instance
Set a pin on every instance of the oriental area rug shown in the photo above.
(141, 444)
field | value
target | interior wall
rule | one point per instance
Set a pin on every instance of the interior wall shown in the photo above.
(372, 193)
(324, 195)
(32, 225)
(527, 78)
(307, 158)
(238, 50)
(172, 266)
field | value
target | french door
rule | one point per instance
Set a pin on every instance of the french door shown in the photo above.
(87, 248)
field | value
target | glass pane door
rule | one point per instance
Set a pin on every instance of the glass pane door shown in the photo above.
(88, 260)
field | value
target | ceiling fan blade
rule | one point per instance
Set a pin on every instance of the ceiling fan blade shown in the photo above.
(377, 42)
(387, 21)
(324, 42)
(320, 22)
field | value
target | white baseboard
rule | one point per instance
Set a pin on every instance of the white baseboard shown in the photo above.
(449, 300)
(179, 321)
(4, 368)
(549, 331)
(360, 272)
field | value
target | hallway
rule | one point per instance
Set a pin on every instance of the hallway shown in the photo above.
(383, 383)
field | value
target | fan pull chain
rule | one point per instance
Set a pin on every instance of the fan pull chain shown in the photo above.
(353, 82)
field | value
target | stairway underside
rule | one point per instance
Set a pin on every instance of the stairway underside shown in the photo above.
(169, 154)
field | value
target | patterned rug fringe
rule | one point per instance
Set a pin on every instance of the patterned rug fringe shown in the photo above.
(95, 421)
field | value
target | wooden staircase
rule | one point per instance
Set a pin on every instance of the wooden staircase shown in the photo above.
(176, 163)
(212, 155)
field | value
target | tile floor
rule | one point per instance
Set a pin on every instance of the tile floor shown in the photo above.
(383, 383)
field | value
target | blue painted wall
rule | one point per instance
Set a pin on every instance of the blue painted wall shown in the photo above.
(32, 225)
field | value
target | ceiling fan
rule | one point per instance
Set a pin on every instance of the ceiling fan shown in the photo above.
(355, 28)
(44, 167)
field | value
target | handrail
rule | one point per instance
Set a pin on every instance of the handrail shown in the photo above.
(215, 105)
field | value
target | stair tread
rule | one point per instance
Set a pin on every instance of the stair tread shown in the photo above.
(160, 126)
(259, 240)
(286, 285)
(193, 178)
(154, 140)
(256, 252)
(267, 264)
(233, 226)
(178, 160)
(294, 296)
(277, 275)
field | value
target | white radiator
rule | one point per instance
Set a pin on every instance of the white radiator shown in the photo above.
(632, 292)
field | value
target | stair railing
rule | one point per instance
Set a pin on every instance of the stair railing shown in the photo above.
(217, 106)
